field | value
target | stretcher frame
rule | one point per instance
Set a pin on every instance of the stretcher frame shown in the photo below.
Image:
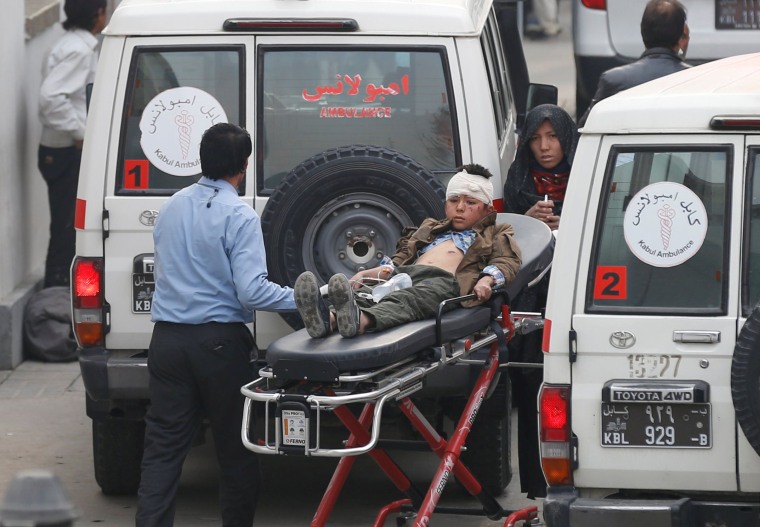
(308, 394)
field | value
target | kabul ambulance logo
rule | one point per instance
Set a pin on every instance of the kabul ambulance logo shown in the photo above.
(172, 126)
(665, 224)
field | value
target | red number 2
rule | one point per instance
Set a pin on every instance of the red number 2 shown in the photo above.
(611, 283)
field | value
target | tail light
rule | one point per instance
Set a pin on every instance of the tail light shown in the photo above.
(595, 4)
(88, 302)
(556, 448)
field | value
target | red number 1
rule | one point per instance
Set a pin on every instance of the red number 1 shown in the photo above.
(136, 174)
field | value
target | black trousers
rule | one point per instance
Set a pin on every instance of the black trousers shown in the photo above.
(60, 170)
(197, 371)
(526, 384)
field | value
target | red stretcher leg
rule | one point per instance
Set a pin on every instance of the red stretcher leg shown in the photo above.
(526, 514)
(450, 458)
(359, 435)
(391, 507)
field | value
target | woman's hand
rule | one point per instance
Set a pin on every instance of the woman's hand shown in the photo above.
(553, 222)
(544, 211)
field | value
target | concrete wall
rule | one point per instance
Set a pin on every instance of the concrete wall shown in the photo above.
(28, 29)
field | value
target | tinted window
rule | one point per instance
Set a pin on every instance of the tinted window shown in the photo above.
(500, 96)
(751, 287)
(173, 96)
(325, 98)
(661, 235)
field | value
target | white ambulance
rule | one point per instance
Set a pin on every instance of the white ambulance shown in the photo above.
(359, 112)
(650, 408)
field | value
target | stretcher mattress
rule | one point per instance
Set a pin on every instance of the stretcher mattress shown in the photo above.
(298, 356)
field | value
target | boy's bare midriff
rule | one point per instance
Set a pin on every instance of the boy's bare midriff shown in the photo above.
(445, 256)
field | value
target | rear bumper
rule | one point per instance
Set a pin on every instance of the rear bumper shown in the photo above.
(108, 378)
(563, 508)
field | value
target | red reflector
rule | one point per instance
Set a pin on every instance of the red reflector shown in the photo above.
(595, 4)
(554, 414)
(79, 214)
(546, 340)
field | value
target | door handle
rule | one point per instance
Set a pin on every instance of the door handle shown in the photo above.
(696, 337)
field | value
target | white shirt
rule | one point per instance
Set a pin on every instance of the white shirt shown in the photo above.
(68, 69)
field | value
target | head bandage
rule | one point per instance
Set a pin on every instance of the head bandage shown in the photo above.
(472, 185)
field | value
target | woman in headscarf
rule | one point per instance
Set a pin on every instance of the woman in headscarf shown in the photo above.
(535, 186)
(538, 177)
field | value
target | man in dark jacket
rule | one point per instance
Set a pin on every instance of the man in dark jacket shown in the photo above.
(666, 38)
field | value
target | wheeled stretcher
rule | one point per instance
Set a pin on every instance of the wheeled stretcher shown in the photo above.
(306, 380)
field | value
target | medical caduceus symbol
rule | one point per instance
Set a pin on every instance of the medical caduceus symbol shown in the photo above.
(666, 215)
(184, 122)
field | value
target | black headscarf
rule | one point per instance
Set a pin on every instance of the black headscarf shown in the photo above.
(519, 190)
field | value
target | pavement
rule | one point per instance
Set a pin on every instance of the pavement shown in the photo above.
(44, 426)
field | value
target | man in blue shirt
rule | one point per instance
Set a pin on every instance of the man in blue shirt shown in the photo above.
(210, 272)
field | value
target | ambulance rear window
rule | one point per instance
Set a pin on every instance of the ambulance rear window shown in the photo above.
(175, 94)
(316, 98)
(661, 239)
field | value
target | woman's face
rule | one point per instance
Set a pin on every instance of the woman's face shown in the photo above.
(545, 146)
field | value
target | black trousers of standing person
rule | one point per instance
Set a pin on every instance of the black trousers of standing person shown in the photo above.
(60, 170)
(526, 383)
(197, 371)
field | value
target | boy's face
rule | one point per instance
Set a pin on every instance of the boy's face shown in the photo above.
(465, 211)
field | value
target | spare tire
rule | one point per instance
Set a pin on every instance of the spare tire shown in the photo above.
(343, 210)
(745, 379)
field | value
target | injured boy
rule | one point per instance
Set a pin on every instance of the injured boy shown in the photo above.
(465, 253)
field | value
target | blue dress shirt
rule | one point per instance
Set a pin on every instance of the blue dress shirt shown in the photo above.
(210, 262)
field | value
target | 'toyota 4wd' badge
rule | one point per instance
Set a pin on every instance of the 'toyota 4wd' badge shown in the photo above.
(172, 126)
(665, 224)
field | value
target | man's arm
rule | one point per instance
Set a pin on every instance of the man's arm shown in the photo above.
(249, 270)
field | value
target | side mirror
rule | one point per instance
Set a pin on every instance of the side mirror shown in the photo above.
(541, 94)
(538, 94)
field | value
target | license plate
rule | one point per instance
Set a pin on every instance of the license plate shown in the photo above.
(656, 425)
(730, 14)
(142, 292)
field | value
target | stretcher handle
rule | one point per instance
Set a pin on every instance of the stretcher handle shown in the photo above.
(498, 292)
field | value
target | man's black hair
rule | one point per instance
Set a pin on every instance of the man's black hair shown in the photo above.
(224, 150)
(663, 23)
(82, 13)
(478, 170)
